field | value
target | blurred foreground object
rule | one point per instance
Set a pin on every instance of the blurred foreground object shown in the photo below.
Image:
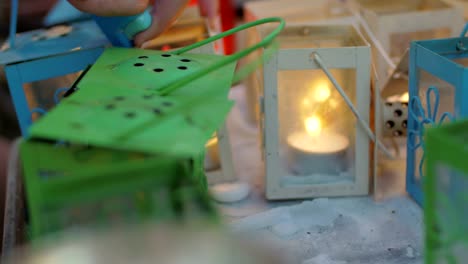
(178, 244)
(446, 196)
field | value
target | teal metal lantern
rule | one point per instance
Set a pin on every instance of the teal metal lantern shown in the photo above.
(446, 201)
(438, 78)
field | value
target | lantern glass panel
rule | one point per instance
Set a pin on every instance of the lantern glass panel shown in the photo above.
(451, 213)
(317, 129)
(445, 104)
(399, 42)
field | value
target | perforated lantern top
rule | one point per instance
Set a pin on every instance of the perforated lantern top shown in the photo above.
(119, 105)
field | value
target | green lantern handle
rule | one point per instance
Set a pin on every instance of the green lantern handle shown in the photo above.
(268, 40)
(228, 59)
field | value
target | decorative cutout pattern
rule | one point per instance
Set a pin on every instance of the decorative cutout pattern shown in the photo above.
(423, 118)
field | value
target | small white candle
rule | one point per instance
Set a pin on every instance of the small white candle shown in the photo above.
(326, 143)
(313, 151)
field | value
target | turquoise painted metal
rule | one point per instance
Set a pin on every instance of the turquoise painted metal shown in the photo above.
(122, 29)
(438, 86)
(64, 12)
(48, 53)
(43, 54)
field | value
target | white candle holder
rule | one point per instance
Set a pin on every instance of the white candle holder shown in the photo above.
(312, 143)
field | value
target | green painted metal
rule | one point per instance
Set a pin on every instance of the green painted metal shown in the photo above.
(119, 94)
(446, 189)
(128, 144)
(76, 185)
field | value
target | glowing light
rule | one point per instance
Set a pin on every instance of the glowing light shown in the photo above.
(405, 97)
(306, 102)
(313, 125)
(322, 92)
(333, 103)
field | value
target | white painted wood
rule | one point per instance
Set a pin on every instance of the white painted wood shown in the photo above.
(318, 12)
(355, 57)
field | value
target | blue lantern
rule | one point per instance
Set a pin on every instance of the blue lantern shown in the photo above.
(43, 54)
(438, 82)
(58, 51)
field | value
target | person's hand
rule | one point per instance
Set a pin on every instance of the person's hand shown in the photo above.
(164, 12)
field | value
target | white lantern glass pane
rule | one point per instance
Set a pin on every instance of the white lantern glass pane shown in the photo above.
(445, 105)
(451, 212)
(41, 93)
(400, 42)
(316, 127)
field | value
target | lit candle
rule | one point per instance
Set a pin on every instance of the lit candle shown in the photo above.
(212, 155)
(312, 151)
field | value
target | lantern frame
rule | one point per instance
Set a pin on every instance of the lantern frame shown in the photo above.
(384, 25)
(31, 60)
(354, 57)
(446, 145)
(313, 12)
(436, 58)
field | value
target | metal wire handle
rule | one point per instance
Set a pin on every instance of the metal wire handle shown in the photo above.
(268, 40)
(356, 113)
(13, 22)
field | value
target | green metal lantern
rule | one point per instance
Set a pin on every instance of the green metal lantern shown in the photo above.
(127, 142)
(446, 190)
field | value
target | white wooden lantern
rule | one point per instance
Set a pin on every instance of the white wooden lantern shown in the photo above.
(313, 145)
(398, 22)
(324, 12)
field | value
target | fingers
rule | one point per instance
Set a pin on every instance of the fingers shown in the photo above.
(111, 7)
(164, 14)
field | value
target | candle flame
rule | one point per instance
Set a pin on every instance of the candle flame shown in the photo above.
(313, 125)
(322, 92)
